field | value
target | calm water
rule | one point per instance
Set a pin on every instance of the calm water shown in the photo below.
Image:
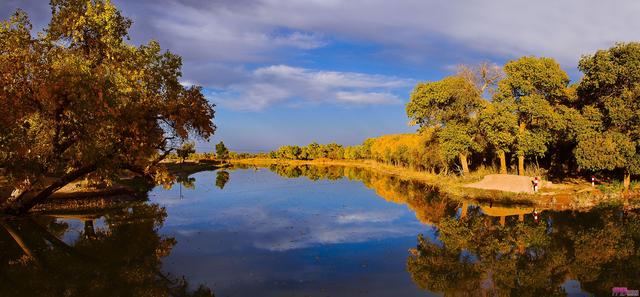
(317, 231)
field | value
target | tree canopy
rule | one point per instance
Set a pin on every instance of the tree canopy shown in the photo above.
(78, 101)
(450, 104)
(610, 92)
(222, 152)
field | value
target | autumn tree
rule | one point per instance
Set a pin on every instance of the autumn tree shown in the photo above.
(78, 101)
(452, 105)
(185, 150)
(610, 92)
(531, 90)
(222, 152)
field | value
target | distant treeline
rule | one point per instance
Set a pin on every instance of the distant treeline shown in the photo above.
(409, 150)
(525, 112)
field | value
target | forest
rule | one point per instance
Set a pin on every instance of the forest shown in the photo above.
(526, 113)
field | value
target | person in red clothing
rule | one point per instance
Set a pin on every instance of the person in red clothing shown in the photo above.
(536, 184)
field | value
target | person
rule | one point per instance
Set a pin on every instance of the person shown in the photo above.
(535, 216)
(593, 181)
(536, 183)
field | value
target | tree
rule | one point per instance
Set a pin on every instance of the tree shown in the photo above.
(485, 76)
(453, 101)
(222, 152)
(531, 90)
(185, 150)
(498, 125)
(78, 101)
(610, 94)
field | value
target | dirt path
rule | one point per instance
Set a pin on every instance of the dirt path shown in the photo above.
(506, 182)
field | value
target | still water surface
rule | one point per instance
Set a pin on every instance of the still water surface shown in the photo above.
(318, 231)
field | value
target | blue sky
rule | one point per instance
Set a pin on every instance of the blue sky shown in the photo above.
(290, 72)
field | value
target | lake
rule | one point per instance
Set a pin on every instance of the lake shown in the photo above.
(318, 231)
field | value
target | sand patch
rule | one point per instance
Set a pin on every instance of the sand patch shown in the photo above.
(507, 183)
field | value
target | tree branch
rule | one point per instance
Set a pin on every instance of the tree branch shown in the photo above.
(22, 205)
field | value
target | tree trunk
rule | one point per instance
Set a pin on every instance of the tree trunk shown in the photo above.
(22, 204)
(463, 161)
(503, 162)
(627, 180)
(522, 127)
(520, 165)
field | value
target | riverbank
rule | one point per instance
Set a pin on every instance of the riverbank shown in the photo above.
(81, 196)
(567, 195)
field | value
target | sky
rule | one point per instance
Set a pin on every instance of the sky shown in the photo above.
(292, 72)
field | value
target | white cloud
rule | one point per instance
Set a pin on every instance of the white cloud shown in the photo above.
(281, 84)
(367, 98)
(218, 37)
(364, 217)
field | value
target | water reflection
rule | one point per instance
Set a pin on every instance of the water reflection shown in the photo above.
(599, 249)
(222, 177)
(507, 251)
(122, 257)
(425, 201)
(255, 233)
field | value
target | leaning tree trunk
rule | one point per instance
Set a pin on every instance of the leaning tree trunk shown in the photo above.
(463, 161)
(520, 164)
(503, 162)
(627, 180)
(28, 199)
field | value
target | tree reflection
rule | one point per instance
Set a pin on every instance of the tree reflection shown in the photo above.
(477, 254)
(186, 181)
(222, 177)
(121, 259)
(598, 248)
(427, 203)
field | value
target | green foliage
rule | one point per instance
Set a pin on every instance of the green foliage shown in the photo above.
(532, 91)
(222, 152)
(610, 90)
(452, 99)
(499, 126)
(312, 152)
(457, 138)
(185, 150)
(451, 104)
(534, 114)
(605, 151)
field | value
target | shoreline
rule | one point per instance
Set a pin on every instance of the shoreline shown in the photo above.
(556, 196)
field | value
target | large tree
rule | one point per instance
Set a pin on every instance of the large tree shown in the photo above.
(498, 125)
(532, 89)
(450, 104)
(78, 101)
(610, 92)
